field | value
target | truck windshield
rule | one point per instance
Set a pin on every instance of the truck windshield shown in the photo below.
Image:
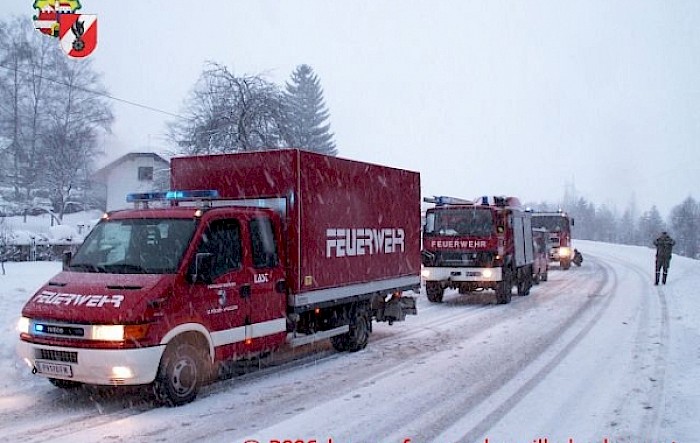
(552, 223)
(474, 222)
(135, 246)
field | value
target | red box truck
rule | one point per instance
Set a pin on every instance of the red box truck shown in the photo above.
(252, 252)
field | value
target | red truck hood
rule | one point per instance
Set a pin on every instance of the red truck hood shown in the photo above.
(78, 297)
(451, 243)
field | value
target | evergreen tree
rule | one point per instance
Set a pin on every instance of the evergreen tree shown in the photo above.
(685, 223)
(606, 225)
(627, 230)
(307, 116)
(650, 226)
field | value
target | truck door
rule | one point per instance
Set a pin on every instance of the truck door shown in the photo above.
(267, 302)
(218, 305)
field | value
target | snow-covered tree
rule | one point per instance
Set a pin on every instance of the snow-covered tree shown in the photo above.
(51, 111)
(627, 228)
(74, 120)
(226, 113)
(4, 243)
(307, 125)
(650, 226)
(685, 227)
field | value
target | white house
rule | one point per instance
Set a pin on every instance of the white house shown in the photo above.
(133, 172)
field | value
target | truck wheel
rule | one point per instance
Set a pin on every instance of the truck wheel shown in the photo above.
(356, 339)
(434, 291)
(359, 332)
(524, 280)
(503, 289)
(179, 375)
(340, 342)
(65, 384)
(545, 276)
(536, 279)
(565, 264)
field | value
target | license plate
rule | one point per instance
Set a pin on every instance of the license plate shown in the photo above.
(54, 369)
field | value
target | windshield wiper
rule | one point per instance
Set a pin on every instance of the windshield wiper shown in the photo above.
(125, 268)
(89, 267)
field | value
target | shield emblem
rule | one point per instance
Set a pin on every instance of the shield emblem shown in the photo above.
(78, 34)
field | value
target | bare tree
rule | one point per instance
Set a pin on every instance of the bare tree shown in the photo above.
(227, 113)
(51, 111)
(76, 115)
(15, 52)
(4, 243)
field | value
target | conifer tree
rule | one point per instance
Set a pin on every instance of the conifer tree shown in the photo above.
(307, 117)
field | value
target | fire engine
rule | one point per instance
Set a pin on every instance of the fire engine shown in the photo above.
(252, 253)
(558, 224)
(470, 246)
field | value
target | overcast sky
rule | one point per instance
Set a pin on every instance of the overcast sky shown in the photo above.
(481, 97)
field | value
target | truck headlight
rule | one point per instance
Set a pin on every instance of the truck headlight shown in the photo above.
(425, 273)
(564, 251)
(108, 332)
(486, 273)
(119, 332)
(23, 325)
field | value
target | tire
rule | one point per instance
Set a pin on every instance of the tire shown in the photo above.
(545, 276)
(357, 337)
(180, 374)
(340, 343)
(536, 279)
(434, 291)
(565, 264)
(65, 384)
(504, 289)
(524, 280)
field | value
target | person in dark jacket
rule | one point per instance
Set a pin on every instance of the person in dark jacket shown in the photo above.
(664, 246)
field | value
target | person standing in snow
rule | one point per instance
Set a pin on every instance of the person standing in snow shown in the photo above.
(664, 246)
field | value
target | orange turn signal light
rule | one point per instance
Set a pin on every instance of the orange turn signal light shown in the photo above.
(135, 332)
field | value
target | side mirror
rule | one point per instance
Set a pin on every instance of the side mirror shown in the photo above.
(204, 265)
(67, 256)
(572, 222)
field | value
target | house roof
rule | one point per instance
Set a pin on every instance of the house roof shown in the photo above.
(101, 174)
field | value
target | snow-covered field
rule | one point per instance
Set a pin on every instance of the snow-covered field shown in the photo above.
(596, 352)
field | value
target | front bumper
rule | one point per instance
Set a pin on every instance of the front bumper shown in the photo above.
(462, 274)
(93, 366)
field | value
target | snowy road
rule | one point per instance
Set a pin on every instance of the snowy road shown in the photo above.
(596, 352)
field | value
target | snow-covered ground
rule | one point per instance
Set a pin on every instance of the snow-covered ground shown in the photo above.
(596, 352)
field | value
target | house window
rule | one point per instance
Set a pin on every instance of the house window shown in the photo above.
(146, 173)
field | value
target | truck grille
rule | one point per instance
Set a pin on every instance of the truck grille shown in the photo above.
(63, 356)
(469, 259)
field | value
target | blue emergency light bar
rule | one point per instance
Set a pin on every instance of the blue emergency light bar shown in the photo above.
(172, 195)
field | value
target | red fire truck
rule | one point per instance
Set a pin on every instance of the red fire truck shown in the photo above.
(469, 245)
(288, 248)
(558, 224)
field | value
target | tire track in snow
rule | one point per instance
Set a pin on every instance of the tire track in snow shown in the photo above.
(652, 413)
(443, 320)
(388, 356)
(466, 428)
